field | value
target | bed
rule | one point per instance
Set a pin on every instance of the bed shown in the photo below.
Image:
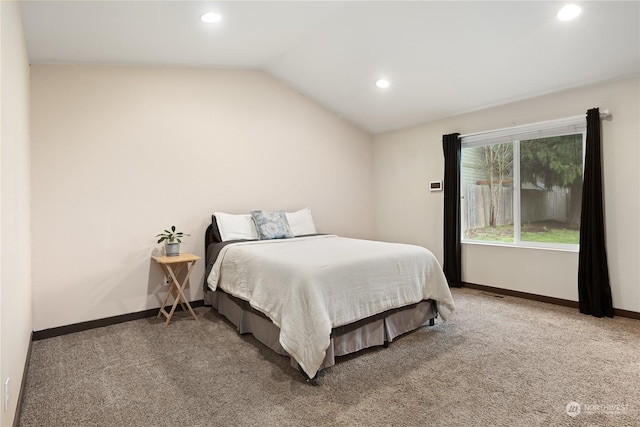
(314, 297)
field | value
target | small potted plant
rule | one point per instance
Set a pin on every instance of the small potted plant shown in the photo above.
(172, 240)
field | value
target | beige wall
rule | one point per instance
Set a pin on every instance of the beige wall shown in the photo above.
(406, 160)
(120, 153)
(15, 205)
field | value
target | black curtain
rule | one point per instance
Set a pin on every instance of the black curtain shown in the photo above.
(452, 262)
(594, 291)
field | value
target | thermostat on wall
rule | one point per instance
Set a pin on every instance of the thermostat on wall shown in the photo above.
(435, 186)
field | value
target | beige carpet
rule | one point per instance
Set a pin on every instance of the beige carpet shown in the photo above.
(497, 362)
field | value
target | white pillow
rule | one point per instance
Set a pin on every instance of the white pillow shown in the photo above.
(236, 227)
(301, 222)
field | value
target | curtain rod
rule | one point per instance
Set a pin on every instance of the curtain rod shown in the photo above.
(604, 115)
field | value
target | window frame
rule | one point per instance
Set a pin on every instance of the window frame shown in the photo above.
(552, 128)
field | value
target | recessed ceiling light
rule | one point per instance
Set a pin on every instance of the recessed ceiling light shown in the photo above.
(569, 12)
(210, 17)
(382, 83)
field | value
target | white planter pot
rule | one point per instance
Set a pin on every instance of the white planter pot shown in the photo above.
(172, 249)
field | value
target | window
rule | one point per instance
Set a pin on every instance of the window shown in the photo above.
(522, 186)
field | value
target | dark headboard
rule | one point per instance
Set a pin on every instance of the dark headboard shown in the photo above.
(212, 235)
(207, 237)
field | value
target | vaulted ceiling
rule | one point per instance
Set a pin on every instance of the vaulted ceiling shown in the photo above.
(441, 58)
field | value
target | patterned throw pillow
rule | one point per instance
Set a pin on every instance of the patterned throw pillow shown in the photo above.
(271, 225)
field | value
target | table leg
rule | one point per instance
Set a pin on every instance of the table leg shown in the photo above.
(184, 284)
(176, 290)
(165, 270)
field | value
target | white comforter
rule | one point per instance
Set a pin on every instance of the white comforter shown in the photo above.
(308, 285)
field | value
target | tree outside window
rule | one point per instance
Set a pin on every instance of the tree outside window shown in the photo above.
(544, 208)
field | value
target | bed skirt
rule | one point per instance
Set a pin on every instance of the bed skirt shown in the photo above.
(373, 331)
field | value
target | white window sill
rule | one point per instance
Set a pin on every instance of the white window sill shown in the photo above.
(525, 245)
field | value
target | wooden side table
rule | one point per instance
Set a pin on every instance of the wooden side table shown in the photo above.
(171, 266)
